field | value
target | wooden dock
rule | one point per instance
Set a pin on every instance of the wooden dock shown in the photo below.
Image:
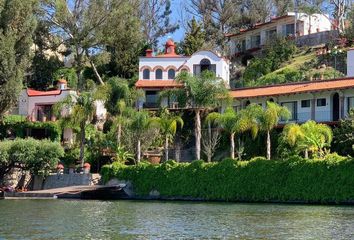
(99, 192)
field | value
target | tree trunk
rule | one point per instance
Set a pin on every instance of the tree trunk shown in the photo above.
(166, 148)
(268, 145)
(209, 136)
(94, 68)
(232, 145)
(119, 134)
(306, 153)
(197, 133)
(138, 152)
(82, 144)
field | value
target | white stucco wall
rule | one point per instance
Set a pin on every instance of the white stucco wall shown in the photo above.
(322, 113)
(165, 63)
(318, 22)
(27, 104)
(350, 63)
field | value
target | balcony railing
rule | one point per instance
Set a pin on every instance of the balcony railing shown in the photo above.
(320, 116)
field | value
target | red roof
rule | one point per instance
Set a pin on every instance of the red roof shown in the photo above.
(293, 88)
(35, 93)
(257, 25)
(157, 84)
(169, 55)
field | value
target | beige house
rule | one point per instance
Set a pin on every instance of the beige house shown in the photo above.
(289, 25)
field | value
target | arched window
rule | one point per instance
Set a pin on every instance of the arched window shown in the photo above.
(171, 74)
(158, 74)
(146, 74)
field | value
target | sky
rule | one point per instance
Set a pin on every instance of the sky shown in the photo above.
(176, 7)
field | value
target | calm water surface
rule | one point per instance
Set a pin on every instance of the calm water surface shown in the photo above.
(67, 219)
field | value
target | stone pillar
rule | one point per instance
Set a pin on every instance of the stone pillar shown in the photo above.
(313, 108)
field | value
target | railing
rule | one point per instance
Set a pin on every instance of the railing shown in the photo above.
(320, 116)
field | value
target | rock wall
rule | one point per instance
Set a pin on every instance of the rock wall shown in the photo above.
(65, 180)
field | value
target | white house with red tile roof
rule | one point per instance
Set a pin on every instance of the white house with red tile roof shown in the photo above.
(38, 105)
(323, 101)
(252, 39)
(158, 72)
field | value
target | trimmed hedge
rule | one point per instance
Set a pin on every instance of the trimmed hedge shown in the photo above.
(37, 156)
(295, 179)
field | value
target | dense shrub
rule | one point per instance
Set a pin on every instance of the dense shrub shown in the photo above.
(39, 157)
(295, 179)
(15, 125)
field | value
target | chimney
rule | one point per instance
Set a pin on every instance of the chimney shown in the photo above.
(170, 47)
(62, 84)
(350, 62)
(148, 53)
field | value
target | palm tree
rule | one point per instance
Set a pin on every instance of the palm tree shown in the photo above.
(236, 122)
(201, 93)
(139, 124)
(80, 110)
(168, 124)
(269, 119)
(310, 136)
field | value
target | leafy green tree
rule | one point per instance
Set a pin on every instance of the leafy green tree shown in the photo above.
(46, 59)
(343, 136)
(124, 40)
(79, 110)
(68, 74)
(168, 124)
(81, 27)
(308, 137)
(194, 38)
(201, 93)
(17, 24)
(269, 119)
(155, 20)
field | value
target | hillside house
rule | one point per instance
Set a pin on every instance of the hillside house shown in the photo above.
(316, 28)
(37, 106)
(157, 73)
(325, 101)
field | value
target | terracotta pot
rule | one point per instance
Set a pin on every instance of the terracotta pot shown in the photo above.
(154, 159)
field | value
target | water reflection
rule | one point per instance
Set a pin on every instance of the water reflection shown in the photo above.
(62, 219)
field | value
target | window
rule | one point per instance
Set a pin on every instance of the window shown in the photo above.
(288, 29)
(321, 102)
(151, 99)
(146, 74)
(243, 45)
(203, 66)
(171, 74)
(350, 103)
(292, 107)
(305, 103)
(271, 33)
(255, 41)
(158, 74)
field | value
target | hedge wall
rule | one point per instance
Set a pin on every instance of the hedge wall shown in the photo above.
(17, 125)
(296, 179)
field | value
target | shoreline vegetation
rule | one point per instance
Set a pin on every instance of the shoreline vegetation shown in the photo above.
(294, 180)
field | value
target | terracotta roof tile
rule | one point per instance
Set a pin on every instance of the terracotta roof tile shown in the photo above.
(157, 84)
(293, 88)
(35, 93)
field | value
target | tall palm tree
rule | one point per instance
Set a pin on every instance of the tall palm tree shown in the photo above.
(201, 93)
(80, 110)
(140, 122)
(310, 136)
(269, 119)
(168, 124)
(236, 122)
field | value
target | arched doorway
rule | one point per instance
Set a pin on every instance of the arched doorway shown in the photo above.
(335, 107)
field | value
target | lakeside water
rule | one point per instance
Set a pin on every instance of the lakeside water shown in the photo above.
(69, 219)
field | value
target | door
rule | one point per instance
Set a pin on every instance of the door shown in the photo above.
(335, 109)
